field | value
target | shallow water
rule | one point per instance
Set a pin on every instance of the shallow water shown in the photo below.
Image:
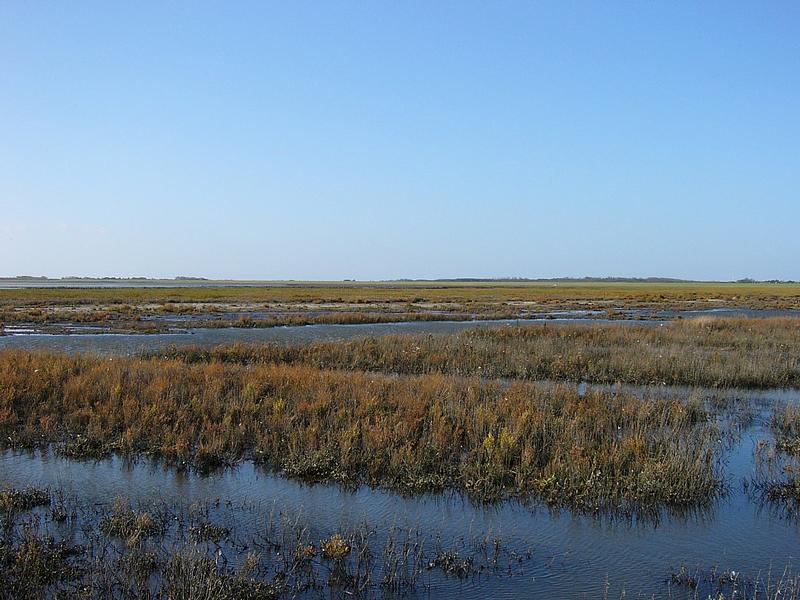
(87, 338)
(712, 312)
(122, 343)
(573, 555)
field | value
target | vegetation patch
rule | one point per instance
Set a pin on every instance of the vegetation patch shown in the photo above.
(492, 439)
(20, 500)
(154, 309)
(208, 532)
(764, 295)
(785, 424)
(36, 563)
(722, 353)
(335, 548)
(720, 584)
(192, 575)
(126, 523)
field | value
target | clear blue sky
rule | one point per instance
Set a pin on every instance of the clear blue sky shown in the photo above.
(400, 139)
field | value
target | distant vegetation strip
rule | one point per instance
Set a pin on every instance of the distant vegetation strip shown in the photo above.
(709, 294)
(413, 434)
(711, 352)
(152, 310)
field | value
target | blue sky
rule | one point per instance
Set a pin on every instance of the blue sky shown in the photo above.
(333, 140)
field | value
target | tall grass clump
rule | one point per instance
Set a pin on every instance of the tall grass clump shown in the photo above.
(785, 424)
(410, 433)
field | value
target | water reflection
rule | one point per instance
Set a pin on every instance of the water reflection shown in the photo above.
(573, 553)
(121, 343)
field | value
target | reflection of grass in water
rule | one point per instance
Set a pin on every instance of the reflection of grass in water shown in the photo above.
(281, 558)
(719, 584)
(776, 479)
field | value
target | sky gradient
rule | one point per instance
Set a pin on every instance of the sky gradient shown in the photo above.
(333, 140)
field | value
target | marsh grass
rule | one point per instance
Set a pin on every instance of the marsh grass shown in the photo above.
(34, 564)
(19, 500)
(785, 424)
(742, 353)
(491, 439)
(191, 575)
(153, 309)
(719, 584)
(776, 478)
(141, 321)
(125, 523)
(605, 294)
(205, 531)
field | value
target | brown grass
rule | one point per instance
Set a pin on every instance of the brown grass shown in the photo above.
(409, 433)
(739, 294)
(746, 353)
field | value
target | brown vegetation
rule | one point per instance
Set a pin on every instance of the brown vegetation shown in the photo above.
(409, 433)
(548, 293)
(145, 310)
(747, 353)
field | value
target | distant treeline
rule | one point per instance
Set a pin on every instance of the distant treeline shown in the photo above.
(598, 280)
(80, 278)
